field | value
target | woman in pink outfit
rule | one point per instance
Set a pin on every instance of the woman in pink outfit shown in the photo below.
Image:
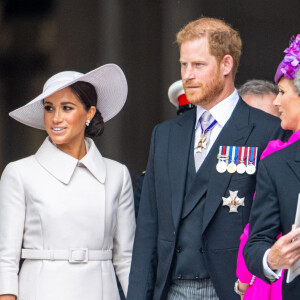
(249, 286)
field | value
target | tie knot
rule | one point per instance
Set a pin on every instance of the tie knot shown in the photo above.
(206, 119)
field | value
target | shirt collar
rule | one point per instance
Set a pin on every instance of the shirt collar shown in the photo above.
(221, 111)
(62, 165)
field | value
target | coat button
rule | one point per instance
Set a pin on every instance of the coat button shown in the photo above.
(201, 250)
(197, 276)
(179, 249)
(174, 232)
(179, 276)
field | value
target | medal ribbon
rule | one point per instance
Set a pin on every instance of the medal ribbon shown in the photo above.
(255, 156)
(252, 155)
(227, 154)
(222, 153)
(211, 126)
(232, 154)
(236, 155)
(243, 155)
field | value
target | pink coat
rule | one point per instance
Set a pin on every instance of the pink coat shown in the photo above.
(260, 289)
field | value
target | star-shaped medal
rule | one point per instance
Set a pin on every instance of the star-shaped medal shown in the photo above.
(233, 201)
(202, 144)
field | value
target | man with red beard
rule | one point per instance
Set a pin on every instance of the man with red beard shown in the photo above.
(200, 176)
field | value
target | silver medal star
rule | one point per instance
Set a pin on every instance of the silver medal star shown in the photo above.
(233, 201)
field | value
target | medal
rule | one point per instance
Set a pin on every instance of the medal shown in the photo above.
(202, 144)
(222, 157)
(241, 167)
(233, 201)
(231, 168)
(251, 160)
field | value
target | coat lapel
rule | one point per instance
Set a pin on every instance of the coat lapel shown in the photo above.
(181, 133)
(295, 164)
(62, 166)
(235, 133)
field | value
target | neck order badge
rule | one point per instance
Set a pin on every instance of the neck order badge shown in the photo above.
(204, 120)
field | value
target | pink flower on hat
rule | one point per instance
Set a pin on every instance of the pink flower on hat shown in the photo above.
(291, 61)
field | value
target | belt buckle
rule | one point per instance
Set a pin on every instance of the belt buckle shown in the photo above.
(78, 255)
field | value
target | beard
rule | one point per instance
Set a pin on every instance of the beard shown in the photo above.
(207, 93)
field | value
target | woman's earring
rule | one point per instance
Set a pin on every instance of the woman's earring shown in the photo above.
(87, 123)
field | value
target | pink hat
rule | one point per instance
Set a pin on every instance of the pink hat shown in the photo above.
(291, 61)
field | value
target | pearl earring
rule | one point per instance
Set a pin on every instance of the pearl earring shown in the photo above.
(87, 123)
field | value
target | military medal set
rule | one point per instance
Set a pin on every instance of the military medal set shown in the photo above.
(237, 159)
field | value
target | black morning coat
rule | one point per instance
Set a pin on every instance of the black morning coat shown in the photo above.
(162, 201)
(273, 211)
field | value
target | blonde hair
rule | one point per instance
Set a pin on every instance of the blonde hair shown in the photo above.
(222, 38)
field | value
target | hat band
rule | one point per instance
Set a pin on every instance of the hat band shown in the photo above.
(182, 100)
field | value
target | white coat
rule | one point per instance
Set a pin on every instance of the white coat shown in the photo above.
(53, 201)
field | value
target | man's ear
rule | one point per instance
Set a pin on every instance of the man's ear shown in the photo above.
(227, 64)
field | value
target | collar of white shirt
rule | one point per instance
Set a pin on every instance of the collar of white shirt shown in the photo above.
(222, 111)
(62, 165)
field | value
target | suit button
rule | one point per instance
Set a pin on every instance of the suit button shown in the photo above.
(201, 250)
(197, 276)
(174, 232)
(179, 276)
(179, 249)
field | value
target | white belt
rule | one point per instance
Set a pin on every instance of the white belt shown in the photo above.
(73, 255)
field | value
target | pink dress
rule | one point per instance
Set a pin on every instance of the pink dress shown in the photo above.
(260, 289)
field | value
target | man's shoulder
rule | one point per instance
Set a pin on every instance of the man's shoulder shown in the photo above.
(187, 116)
(259, 115)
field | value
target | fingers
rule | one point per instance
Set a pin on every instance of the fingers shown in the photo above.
(293, 233)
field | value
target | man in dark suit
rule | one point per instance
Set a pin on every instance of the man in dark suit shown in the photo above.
(197, 197)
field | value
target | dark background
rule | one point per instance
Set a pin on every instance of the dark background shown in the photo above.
(41, 38)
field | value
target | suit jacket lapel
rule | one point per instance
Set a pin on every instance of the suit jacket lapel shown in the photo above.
(295, 164)
(235, 133)
(181, 133)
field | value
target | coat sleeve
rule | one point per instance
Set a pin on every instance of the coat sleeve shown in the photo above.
(264, 222)
(12, 218)
(144, 263)
(123, 239)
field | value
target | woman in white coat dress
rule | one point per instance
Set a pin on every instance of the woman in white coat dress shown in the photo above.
(67, 211)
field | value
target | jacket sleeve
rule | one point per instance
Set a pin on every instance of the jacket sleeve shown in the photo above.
(264, 222)
(123, 239)
(12, 218)
(143, 269)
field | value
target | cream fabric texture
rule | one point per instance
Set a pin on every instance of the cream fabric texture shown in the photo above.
(52, 201)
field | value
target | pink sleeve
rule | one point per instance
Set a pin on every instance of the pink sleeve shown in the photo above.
(241, 271)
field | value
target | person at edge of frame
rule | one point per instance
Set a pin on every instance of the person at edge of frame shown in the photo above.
(260, 94)
(273, 244)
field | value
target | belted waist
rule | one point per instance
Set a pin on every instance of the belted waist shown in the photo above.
(73, 255)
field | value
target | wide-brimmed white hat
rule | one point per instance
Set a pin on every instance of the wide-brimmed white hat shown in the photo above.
(110, 84)
(175, 90)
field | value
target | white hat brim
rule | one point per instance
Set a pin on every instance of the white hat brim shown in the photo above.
(175, 90)
(111, 87)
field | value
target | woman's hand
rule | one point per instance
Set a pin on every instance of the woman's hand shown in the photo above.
(7, 297)
(286, 251)
(242, 287)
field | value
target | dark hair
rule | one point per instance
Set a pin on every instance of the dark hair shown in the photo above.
(87, 95)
